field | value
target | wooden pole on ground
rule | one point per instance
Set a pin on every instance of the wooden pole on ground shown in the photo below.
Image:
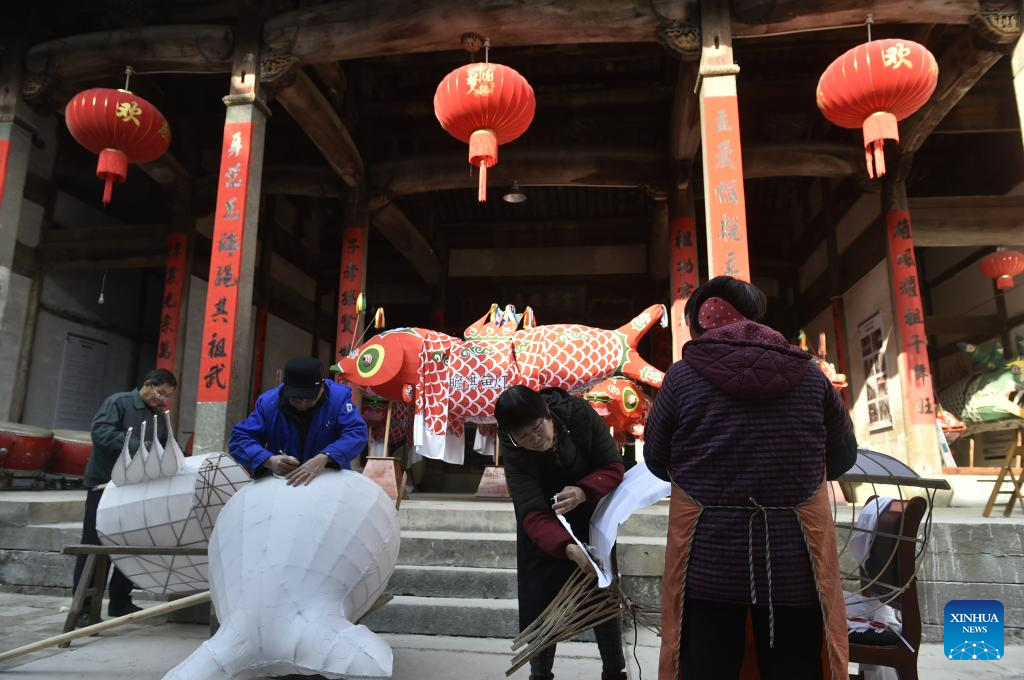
(165, 608)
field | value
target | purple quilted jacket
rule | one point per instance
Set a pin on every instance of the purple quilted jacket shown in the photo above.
(745, 417)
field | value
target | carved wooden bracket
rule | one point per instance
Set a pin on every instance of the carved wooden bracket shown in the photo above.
(997, 28)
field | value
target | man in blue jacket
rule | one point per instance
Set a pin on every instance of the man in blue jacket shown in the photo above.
(300, 427)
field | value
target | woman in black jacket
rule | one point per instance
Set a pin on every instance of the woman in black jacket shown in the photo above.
(560, 458)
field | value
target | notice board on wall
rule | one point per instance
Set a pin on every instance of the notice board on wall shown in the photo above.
(79, 390)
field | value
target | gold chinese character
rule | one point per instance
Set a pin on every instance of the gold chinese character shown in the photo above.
(480, 79)
(896, 56)
(164, 131)
(129, 111)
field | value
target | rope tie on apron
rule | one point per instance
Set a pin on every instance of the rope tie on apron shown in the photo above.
(755, 510)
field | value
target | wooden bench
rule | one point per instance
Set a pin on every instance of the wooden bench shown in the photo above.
(94, 577)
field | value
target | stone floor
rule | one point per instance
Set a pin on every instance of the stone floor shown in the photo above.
(148, 649)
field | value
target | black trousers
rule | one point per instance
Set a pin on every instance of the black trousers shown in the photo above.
(609, 644)
(713, 634)
(120, 585)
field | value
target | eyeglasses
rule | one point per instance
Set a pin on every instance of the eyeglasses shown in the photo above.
(165, 393)
(535, 435)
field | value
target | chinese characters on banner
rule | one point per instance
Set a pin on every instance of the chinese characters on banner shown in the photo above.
(727, 211)
(910, 318)
(683, 277)
(225, 264)
(353, 247)
(170, 314)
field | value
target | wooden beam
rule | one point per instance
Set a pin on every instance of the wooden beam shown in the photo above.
(410, 242)
(315, 115)
(137, 262)
(961, 65)
(801, 160)
(576, 261)
(957, 267)
(601, 167)
(988, 325)
(788, 16)
(289, 180)
(950, 221)
(192, 48)
(357, 29)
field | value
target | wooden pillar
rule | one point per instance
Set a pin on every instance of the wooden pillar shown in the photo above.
(918, 403)
(724, 204)
(1017, 65)
(684, 270)
(266, 257)
(352, 279)
(177, 277)
(835, 283)
(17, 292)
(226, 350)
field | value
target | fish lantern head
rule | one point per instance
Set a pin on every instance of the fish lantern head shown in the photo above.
(387, 364)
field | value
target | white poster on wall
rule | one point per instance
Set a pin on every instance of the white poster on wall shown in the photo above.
(81, 381)
(872, 351)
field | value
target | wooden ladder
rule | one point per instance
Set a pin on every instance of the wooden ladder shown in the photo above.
(1006, 474)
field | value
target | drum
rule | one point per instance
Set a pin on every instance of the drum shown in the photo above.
(28, 448)
(71, 451)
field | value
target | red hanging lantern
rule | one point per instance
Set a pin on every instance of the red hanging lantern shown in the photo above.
(873, 86)
(1002, 266)
(485, 105)
(121, 127)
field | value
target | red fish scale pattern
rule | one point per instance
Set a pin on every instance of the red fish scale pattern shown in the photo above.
(568, 355)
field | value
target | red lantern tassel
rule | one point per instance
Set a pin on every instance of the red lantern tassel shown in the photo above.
(483, 153)
(878, 127)
(112, 167)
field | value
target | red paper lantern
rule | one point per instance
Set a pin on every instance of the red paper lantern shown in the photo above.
(121, 127)
(1002, 266)
(873, 86)
(485, 105)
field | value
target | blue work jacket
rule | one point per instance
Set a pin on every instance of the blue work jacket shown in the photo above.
(337, 429)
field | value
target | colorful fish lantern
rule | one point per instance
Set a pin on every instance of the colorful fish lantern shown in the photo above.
(622, 405)
(873, 86)
(1002, 266)
(121, 127)
(484, 105)
(452, 381)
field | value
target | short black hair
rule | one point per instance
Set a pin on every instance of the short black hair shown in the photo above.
(517, 407)
(160, 376)
(745, 297)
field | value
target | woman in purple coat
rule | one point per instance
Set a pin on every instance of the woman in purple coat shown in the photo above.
(747, 429)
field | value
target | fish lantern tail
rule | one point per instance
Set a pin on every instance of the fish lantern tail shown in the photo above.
(878, 127)
(483, 152)
(112, 167)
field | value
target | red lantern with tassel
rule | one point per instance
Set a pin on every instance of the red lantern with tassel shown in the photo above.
(1002, 266)
(873, 86)
(484, 105)
(121, 127)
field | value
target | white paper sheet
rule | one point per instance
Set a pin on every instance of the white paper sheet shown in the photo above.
(639, 489)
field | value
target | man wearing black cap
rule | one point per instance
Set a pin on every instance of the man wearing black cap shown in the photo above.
(300, 427)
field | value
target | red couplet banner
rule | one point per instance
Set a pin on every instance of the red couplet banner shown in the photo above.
(684, 277)
(727, 214)
(170, 314)
(910, 318)
(353, 249)
(5, 151)
(225, 264)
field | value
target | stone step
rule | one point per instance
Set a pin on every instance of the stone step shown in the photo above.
(35, 569)
(23, 508)
(499, 517)
(42, 537)
(480, 583)
(638, 556)
(461, 617)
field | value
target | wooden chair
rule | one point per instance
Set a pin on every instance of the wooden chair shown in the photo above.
(1006, 474)
(889, 566)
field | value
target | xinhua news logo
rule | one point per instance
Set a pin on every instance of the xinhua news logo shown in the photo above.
(973, 630)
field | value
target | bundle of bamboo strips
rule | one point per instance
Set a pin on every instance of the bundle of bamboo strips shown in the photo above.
(578, 606)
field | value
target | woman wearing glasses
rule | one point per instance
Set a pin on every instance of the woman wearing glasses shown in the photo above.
(559, 459)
